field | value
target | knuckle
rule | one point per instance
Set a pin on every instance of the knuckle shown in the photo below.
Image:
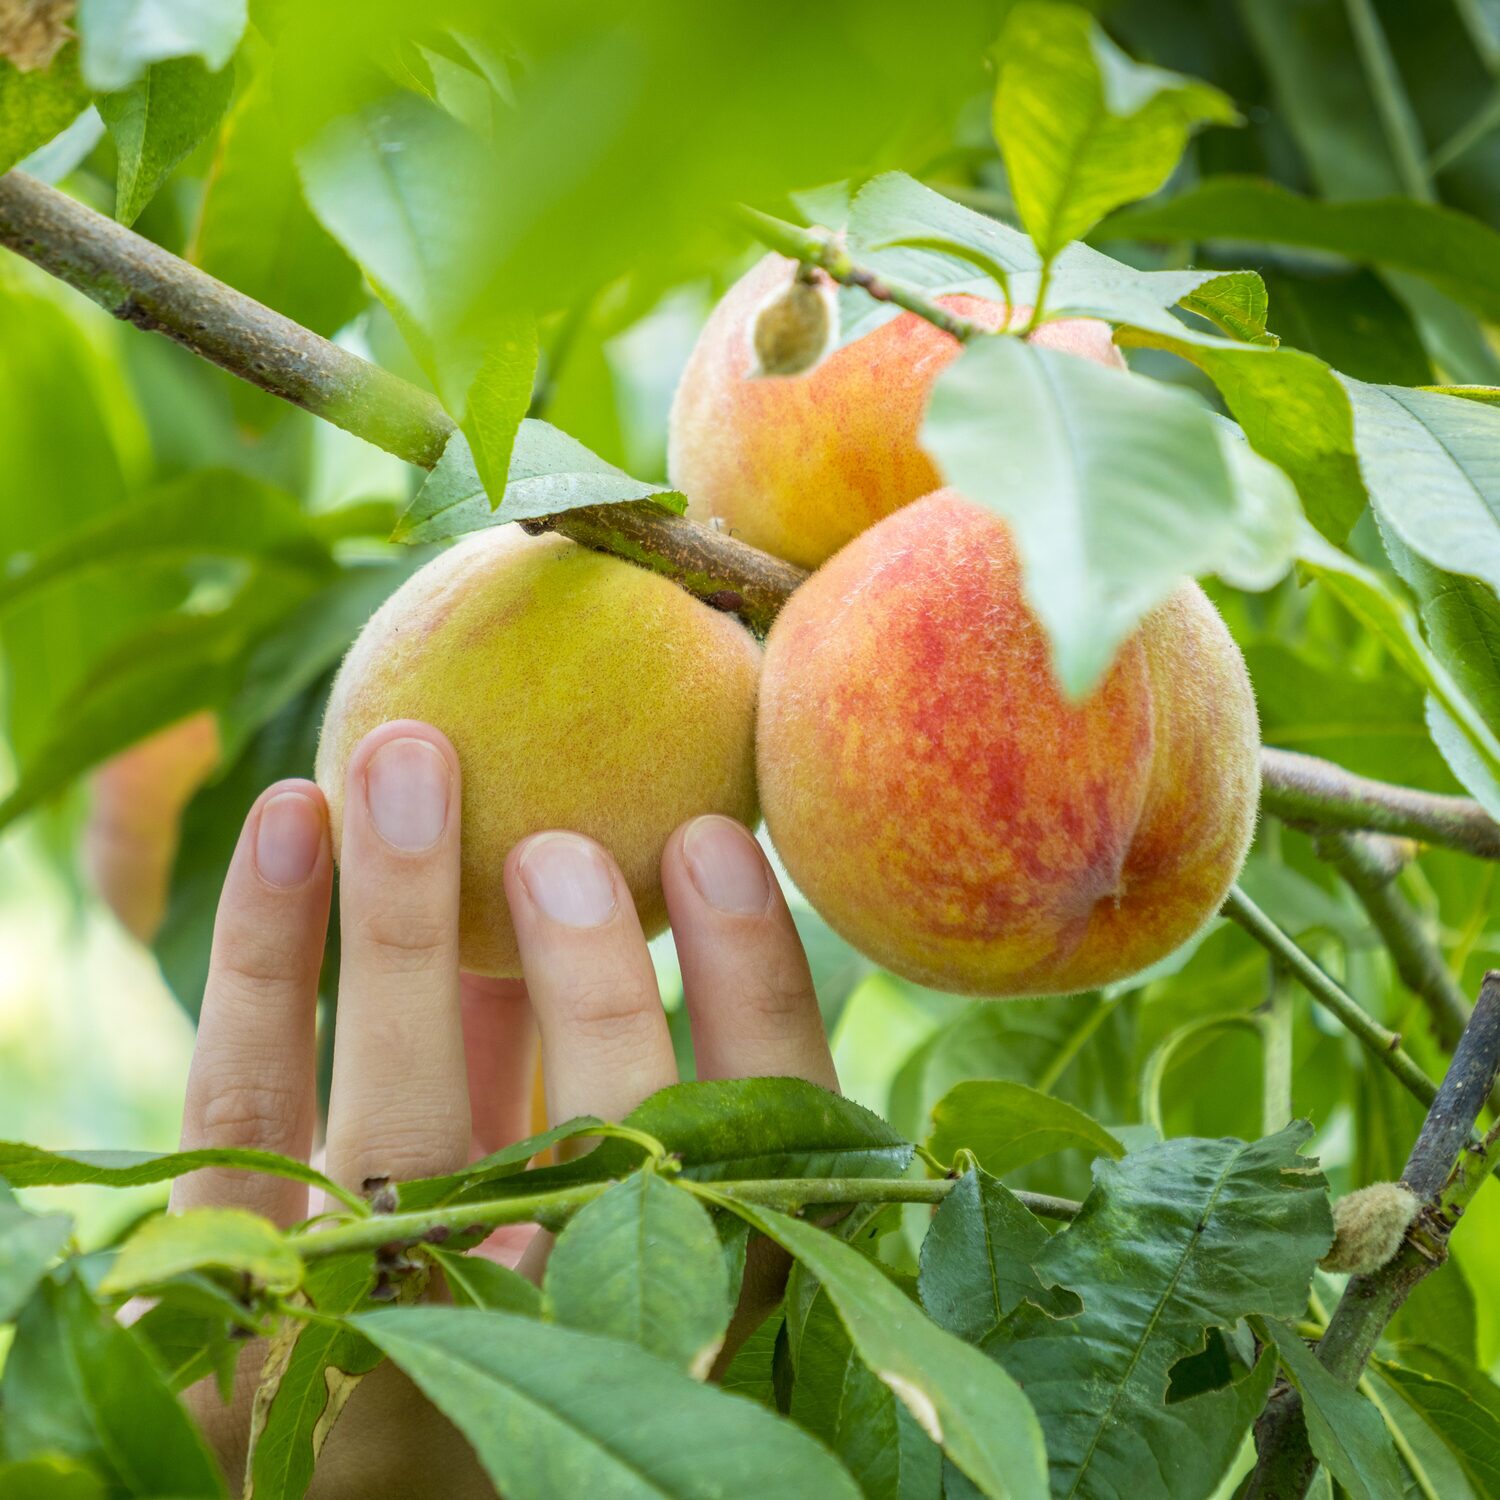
(257, 1116)
(406, 942)
(600, 1009)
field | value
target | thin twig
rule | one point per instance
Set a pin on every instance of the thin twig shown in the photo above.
(816, 247)
(1370, 864)
(434, 1225)
(1313, 793)
(1382, 1043)
(143, 284)
(1445, 1170)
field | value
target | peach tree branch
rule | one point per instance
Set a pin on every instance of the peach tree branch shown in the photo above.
(1444, 1171)
(141, 283)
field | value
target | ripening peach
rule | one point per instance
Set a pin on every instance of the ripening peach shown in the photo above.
(580, 692)
(130, 838)
(798, 465)
(951, 813)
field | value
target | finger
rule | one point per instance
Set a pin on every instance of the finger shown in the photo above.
(605, 1044)
(745, 979)
(500, 1048)
(399, 1106)
(251, 1083)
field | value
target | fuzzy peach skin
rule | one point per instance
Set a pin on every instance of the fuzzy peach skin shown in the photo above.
(799, 465)
(130, 839)
(579, 691)
(949, 812)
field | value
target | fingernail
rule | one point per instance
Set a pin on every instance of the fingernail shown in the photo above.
(406, 784)
(726, 866)
(288, 838)
(566, 876)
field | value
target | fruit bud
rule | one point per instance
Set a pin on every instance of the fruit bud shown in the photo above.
(794, 327)
(1368, 1227)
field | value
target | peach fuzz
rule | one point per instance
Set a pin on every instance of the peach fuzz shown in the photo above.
(951, 813)
(799, 465)
(580, 692)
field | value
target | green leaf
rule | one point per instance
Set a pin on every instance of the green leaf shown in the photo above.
(1115, 486)
(425, 1192)
(30, 1166)
(1345, 1431)
(217, 1239)
(28, 1245)
(837, 1399)
(213, 513)
(966, 1404)
(36, 106)
(1469, 1431)
(394, 184)
(78, 1384)
(1082, 128)
(643, 1263)
(1293, 411)
(548, 473)
(254, 230)
(122, 38)
(498, 399)
(1456, 253)
(476, 1281)
(1466, 740)
(1007, 1125)
(49, 1479)
(768, 1127)
(1175, 1239)
(979, 1257)
(156, 122)
(1083, 281)
(1432, 468)
(310, 1373)
(550, 1410)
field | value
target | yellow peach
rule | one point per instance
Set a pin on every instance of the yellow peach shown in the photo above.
(580, 692)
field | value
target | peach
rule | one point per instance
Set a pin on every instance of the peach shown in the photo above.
(799, 465)
(579, 691)
(951, 813)
(130, 838)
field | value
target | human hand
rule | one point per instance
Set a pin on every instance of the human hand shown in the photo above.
(431, 1068)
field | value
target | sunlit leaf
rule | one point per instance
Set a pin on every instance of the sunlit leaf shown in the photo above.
(1082, 127)
(218, 1239)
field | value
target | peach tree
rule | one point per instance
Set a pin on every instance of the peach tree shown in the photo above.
(1214, 1224)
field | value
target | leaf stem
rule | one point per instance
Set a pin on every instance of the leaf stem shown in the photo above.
(1382, 1043)
(1275, 1021)
(400, 1231)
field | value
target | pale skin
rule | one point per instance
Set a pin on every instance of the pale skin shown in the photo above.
(432, 1067)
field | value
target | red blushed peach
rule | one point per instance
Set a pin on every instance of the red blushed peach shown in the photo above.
(799, 465)
(951, 813)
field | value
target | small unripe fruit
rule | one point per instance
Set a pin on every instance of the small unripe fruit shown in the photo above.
(580, 692)
(130, 839)
(951, 813)
(794, 328)
(1368, 1227)
(802, 465)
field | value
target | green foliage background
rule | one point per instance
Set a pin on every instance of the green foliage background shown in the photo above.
(482, 193)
